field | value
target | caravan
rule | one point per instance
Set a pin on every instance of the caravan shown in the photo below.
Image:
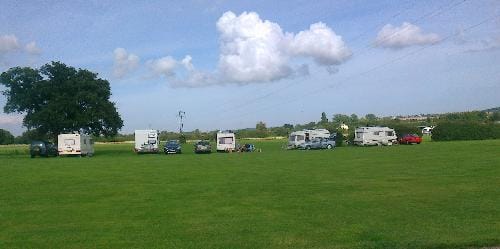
(226, 141)
(147, 141)
(299, 138)
(374, 136)
(75, 144)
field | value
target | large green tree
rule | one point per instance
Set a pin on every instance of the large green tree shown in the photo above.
(58, 98)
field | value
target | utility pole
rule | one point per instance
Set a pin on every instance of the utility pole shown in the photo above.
(181, 115)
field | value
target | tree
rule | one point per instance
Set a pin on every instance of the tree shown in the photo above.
(370, 118)
(324, 119)
(6, 137)
(261, 129)
(354, 119)
(57, 98)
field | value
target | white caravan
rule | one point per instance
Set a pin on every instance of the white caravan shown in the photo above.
(226, 141)
(147, 141)
(298, 138)
(374, 136)
(75, 144)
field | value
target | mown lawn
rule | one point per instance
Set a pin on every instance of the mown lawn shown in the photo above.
(433, 195)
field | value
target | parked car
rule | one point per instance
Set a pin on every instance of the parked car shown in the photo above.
(42, 148)
(202, 147)
(319, 143)
(410, 139)
(172, 147)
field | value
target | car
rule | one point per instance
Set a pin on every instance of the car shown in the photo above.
(202, 147)
(410, 139)
(319, 143)
(172, 147)
(42, 149)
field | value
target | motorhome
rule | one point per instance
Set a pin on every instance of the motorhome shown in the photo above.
(298, 138)
(147, 141)
(226, 141)
(75, 144)
(374, 136)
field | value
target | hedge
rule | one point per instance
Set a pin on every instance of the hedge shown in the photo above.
(449, 131)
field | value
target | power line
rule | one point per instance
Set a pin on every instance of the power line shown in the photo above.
(374, 68)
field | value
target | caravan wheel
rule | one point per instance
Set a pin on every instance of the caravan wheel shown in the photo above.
(329, 147)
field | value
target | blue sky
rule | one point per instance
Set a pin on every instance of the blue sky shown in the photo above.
(231, 64)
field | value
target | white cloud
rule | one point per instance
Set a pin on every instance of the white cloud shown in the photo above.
(253, 50)
(8, 43)
(124, 62)
(164, 66)
(320, 43)
(32, 48)
(10, 119)
(404, 36)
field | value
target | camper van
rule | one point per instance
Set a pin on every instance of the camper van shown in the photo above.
(298, 138)
(75, 144)
(374, 136)
(226, 141)
(147, 141)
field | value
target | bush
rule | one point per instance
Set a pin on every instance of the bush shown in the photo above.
(449, 131)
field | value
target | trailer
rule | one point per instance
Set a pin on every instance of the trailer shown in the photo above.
(226, 141)
(299, 138)
(75, 144)
(147, 141)
(376, 135)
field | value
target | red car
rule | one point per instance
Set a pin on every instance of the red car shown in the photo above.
(410, 139)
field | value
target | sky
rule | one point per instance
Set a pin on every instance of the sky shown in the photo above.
(231, 64)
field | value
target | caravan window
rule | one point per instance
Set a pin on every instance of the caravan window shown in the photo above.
(376, 133)
(69, 142)
(389, 133)
(225, 140)
(292, 138)
(359, 134)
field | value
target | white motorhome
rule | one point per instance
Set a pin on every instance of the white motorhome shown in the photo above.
(75, 144)
(298, 138)
(147, 141)
(226, 141)
(374, 136)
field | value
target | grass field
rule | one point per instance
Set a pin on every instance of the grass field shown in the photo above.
(433, 195)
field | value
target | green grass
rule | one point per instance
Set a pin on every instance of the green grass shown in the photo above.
(433, 195)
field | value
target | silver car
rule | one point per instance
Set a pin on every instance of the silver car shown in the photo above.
(319, 143)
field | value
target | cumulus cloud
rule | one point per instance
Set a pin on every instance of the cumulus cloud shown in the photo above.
(320, 43)
(404, 36)
(124, 62)
(32, 48)
(253, 50)
(164, 66)
(8, 43)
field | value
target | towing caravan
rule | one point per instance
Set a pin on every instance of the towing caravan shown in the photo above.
(226, 141)
(374, 136)
(147, 141)
(298, 138)
(75, 144)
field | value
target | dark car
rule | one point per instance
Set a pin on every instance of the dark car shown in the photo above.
(42, 148)
(410, 139)
(202, 147)
(172, 147)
